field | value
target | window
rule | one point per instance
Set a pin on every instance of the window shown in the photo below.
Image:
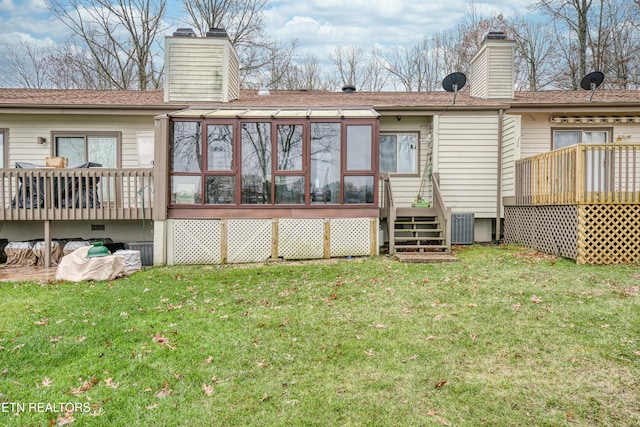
(325, 163)
(273, 162)
(3, 146)
(565, 138)
(398, 153)
(79, 148)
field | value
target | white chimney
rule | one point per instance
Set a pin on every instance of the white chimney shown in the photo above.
(492, 68)
(200, 69)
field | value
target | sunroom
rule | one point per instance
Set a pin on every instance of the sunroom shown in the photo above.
(245, 185)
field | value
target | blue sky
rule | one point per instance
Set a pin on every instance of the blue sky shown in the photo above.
(318, 25)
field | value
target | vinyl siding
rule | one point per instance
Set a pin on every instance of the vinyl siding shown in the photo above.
(201, 69)
(510, 152)
(25, 129)
(536, 132)
(492, 70)
(467, 162)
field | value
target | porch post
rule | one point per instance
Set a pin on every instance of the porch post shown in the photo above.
(47, 243)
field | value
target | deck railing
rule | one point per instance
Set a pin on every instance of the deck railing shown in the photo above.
(75, 194)
(582, 173)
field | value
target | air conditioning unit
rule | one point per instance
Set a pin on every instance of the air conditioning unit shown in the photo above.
(462, 230)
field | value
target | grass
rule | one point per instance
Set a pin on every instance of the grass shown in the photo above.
(504, 337)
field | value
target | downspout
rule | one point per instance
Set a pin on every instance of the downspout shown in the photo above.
(499, 183)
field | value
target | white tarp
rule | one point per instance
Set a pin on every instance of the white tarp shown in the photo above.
(76, 267)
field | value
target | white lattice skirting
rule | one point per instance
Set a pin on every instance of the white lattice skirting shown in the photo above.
(207, 241)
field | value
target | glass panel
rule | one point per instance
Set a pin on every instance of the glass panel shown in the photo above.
(325, 163)
(186, 148)
(186, 190)
(102, 150)
(388, 153)
(2, 150)
(595, 137)
(72, 148)
(219, 147)
(290, 190)
(359, 147)
(358, 189)
(256, 163)
(565, 138)
(407, 149)
(221, 189)
(289, 147)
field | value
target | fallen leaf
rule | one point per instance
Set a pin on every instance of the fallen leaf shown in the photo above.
(208, 389)
(472, 305)
(154, 406)
(370, 352)
(42, 322)
(80, 339)
(441, 384)
(431, 413)
(536, 299)
(87, 385)
(46, 382)
(379, 326)
(209, 359)
(65, 420)
(109, 382)
(164, 391)
(517, 306)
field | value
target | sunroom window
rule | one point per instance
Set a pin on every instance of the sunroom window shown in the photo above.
(273, 162)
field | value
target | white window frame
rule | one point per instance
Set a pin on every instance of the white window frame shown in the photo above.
(416, 165)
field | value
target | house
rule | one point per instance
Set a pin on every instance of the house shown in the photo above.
(210, 173)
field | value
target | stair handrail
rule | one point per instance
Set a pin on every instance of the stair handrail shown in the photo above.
(387, 195)
(388, 210)
(444, 213)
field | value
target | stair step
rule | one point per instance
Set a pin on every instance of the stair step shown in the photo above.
(410, 238)
(417, 230)
(417, 222)
(400, 247)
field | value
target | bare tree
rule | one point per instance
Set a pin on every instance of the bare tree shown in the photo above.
(31, 65)
(414, 69)
(244, 22)
(535, 49)
(353, 67)
(575, 15)
(116, 39)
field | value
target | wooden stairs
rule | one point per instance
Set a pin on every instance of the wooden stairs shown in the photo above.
(418, 230)
(418, 234)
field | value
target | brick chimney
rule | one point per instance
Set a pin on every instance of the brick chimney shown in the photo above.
(200, 69)
(493, 69)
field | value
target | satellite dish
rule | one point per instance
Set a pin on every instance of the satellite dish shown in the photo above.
(591, 82)
(453, 83)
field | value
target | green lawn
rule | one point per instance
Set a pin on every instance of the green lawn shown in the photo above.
(505, 337)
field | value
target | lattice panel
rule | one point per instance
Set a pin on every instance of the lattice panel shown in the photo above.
(550, 229)
(350, 237)
(249, 240)
(300, 238)
(609, 234)
(196, 241)
(557, 230)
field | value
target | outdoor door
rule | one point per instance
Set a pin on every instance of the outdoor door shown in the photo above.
(596, 159)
